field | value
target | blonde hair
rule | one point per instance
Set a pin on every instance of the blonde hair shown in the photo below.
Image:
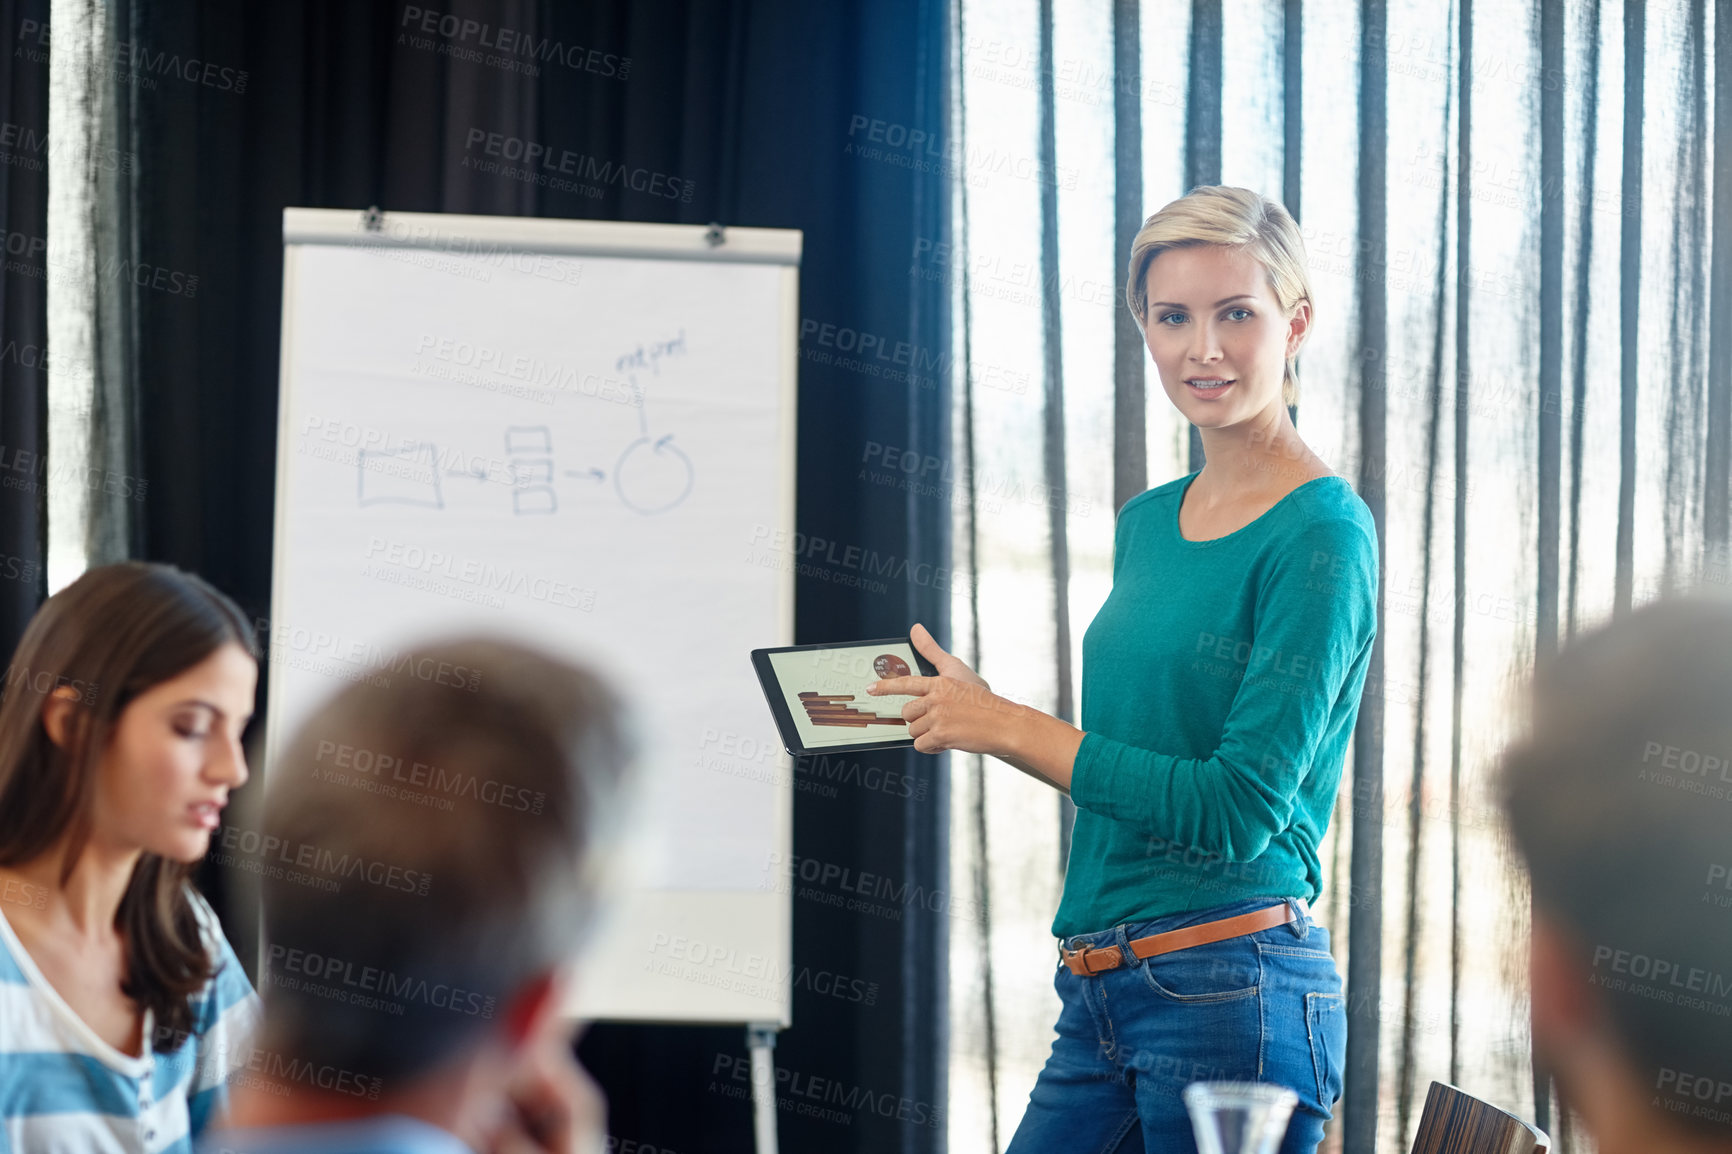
(1237, 218)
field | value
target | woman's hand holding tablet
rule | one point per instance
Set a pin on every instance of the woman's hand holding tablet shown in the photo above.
(817, 694)
(954, 708)
(888, 694)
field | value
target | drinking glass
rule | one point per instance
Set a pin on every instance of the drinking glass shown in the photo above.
(1239, 1117)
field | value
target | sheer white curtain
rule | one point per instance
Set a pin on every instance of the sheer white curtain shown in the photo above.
(90, 512)
(1472, 522)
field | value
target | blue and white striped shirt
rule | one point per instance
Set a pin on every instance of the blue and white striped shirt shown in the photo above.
(374, 1134)
(62, 1088)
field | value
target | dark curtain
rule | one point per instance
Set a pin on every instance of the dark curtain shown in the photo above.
(756, 108)
(23, 314)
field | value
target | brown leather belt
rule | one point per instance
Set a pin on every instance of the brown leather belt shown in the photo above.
(1094, 959)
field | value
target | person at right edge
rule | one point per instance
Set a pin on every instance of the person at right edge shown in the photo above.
(1220, 684)
(1619, 801)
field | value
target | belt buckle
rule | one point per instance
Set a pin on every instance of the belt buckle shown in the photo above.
(1077, 959)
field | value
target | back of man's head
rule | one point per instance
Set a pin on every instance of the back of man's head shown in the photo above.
(1621, 802)
(432, 853)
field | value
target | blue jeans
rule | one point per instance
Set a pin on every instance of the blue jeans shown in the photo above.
(1263, 1007)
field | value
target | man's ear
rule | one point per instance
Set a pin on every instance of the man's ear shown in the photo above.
(57, 713)
(530, 1007)
(1563, 1003)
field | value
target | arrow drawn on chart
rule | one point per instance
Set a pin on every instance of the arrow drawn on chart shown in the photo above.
(591, 474)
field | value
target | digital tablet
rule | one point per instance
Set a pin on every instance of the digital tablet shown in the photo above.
(817, 693)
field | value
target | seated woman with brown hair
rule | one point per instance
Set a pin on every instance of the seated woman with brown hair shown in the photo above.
(122, 1007)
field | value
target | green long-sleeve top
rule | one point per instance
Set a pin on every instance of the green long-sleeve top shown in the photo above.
(1220, 684)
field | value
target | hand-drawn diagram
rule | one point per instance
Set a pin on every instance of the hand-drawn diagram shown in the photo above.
(408, 475)
(531, 472)
(651, 475)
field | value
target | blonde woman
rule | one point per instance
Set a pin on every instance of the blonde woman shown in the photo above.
(1220, 683)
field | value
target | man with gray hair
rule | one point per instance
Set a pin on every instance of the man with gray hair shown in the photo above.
(1620, 800)
(430, 869)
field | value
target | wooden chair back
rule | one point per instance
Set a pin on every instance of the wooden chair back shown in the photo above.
(1455, 1122)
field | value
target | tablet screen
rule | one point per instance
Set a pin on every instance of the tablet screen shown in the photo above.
(826, 692)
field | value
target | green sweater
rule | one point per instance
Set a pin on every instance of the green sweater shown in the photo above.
(1220, 684)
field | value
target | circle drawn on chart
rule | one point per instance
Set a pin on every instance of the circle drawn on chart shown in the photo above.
(890, 665)
(653, 475)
